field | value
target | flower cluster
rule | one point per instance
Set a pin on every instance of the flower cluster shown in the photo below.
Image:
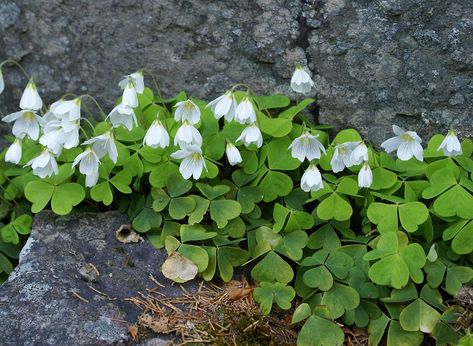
(59, 129)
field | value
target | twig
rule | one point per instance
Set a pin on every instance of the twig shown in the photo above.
(77, 295)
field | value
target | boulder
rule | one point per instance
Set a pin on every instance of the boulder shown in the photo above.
(72, 280)
(374, 63)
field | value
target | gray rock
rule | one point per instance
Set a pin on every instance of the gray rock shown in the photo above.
(375, 63)
(40, 304)
(404, 62)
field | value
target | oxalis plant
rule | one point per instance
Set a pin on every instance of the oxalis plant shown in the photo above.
(345, 234)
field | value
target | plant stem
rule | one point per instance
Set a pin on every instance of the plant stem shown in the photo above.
(17, 64)
(90, 97)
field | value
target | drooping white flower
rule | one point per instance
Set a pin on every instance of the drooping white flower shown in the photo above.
(301, 81)
(91, 179)
(251, 135)
(88, 162)
(342, 156)
(156, 136)
(137, 79)
(407, 144)
(53, 137)
(306, 146)
(13, 153)
(26, 123)
(451, 145)
(130, 98)
(365, 176)
(2, 82)
(122, 115)
(66, 109)
(193, 162)
(30, 100)
(187, 110)
(59, 134)
(104, 144)
(71, 130)
(187, 134)
(44, 165)
(359, 154)
(233, 154)
(245, 112)
(311, 179)
(224, 105)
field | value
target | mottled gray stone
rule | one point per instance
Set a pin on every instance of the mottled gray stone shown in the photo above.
(37, 303)
(406, 62)
(375, 63)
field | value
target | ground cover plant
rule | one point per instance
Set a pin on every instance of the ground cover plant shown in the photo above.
(354, 236)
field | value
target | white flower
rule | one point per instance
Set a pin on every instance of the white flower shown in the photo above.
(91, 179)
(365, 176)
(233, 154)
(122, 115)
(312, 179)
(104, 144)
(71, 130)
(407, 144)
(301, 81)
(13, 153)
(2, 82)
(251, 135)
(30, 99)
(26, 123)
(224, 105)
(88, 162)
(44, 165)
(53, 137)
(156, 136)
(245, 113)
(451, 145)
(130, 98)
(60, 134)
(137, 79)
(187, 110)
(193, 162)
(65, 109)
(342, 156)
(359, 154)
(187, 134)
(306, 145)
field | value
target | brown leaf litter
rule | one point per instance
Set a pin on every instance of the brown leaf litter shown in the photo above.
(216, 315)
(464, 298)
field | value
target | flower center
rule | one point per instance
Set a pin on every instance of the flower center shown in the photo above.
(196, 156)
(188, 105)
(405, 137)
(28, 115)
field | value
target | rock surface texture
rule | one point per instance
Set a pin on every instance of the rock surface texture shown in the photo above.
(375, 63)
(52, 297)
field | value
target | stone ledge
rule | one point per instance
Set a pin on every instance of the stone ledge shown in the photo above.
(56, 297)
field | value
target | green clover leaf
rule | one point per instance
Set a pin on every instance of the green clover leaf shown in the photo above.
(268, 292)
(274, 185)
(411, 215)
(222, 210)
(272, 268)
(318, 331)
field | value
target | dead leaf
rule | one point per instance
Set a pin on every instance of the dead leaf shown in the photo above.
(236, 290)
(133, 331)
(126, 234)
(239, 293)
(178, 268)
